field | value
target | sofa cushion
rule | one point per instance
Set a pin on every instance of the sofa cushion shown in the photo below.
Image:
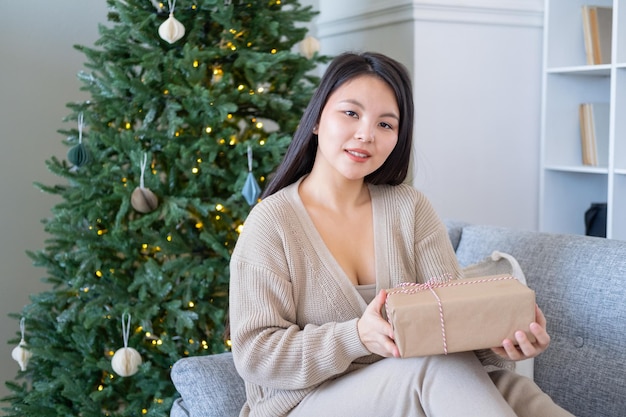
(209, 386)
(580, 284)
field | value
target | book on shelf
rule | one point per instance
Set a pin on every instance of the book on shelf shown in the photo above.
(594, 133)
(597, 28)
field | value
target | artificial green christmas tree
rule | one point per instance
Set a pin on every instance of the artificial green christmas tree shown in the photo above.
(192, 104)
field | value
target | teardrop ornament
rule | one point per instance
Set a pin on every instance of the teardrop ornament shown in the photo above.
(171, 30)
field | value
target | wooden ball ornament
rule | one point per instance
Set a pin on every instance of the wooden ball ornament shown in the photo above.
(126, 361)
(144, 200)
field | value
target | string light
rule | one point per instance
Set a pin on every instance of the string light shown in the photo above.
(196, 63)
(209, 129)
(219, 207)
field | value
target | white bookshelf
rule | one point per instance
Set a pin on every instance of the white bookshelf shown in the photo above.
(567, 186)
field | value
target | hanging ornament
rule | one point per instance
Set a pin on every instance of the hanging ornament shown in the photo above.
(171, 30)
(251, 189)
(19, 353)
(309, 46)
(126, 360)
(143, 199)
(78, 155)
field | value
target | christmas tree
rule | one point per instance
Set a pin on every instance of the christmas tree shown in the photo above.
(192, 105)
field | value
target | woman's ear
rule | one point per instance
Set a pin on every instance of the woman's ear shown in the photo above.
(315, 129)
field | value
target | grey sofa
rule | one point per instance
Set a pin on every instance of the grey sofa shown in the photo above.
(580, 284)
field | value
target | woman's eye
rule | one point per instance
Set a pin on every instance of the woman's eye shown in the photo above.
(351, 113)
(386, 125)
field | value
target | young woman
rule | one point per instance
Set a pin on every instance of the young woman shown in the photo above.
(336, 227)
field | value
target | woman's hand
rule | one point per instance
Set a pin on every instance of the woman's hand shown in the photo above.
(375, 332)
(525, 348)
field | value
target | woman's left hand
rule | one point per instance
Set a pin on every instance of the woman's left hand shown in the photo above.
(526, 349)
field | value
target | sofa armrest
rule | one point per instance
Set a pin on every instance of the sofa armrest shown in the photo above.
(209, 386)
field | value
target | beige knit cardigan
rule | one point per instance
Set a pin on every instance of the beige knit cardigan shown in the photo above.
(294, 312)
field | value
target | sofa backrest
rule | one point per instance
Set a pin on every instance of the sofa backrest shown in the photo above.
(580, 285)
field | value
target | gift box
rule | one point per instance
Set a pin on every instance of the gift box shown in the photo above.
(446, 316)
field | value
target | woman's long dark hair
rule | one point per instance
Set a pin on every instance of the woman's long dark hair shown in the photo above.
(300, 154)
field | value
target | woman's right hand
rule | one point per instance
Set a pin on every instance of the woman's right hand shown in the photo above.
(375, 332)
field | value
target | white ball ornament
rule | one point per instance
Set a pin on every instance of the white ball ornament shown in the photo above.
(309, 46)
(126, 361)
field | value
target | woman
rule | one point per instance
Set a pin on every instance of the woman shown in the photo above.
(336, 227)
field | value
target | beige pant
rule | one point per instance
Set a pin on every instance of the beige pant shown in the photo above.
(525, 397)
(434, 386)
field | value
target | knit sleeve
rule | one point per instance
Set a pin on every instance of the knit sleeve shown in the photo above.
(269, 347)
(434, 254)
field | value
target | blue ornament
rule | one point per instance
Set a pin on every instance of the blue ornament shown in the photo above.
(251, 190)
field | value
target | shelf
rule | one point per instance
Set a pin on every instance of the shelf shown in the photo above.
(588, 70)
(578, 169)
(569, 188)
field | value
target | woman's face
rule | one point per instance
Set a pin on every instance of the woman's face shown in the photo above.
(358, 128)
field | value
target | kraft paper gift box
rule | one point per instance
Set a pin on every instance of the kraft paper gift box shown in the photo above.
(450, 316)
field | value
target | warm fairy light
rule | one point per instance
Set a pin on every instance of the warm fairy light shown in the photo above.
(229, 343)
(166, 91)
(111, 353)
(239, 228)
(219, 207)
(229, 116)
(191, 304)
(144, 246)
(241, 87)
(177, 133)
(196, 63)
(195, 170)
(86, 289)
(169, 238)
(127, 125)
(144, 411)
(99, 274)
(233, 141)
(222, 141)
(233, 31)
(260, 89)
(259, 125)
(139, 329)
(148, 334)
(100, 387)
(274, 50)
(161, 5)
(262, 142)
(194, 7)
(218, 217)
(191, 342)
(159, 342)
(199, 225)
(199, 160)
(209, 129)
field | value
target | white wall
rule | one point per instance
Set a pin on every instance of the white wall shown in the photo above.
(37, 78)
(476, 69)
